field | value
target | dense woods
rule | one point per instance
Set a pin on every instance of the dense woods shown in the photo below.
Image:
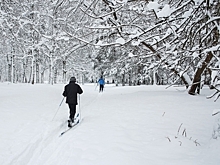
(127, 41)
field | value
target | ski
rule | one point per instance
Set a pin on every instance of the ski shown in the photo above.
(75, 124)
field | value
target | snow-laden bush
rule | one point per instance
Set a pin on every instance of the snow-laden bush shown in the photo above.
(216, 127)
(215, 84)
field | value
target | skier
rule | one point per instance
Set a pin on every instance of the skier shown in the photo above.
(101, 84)
(70, 92)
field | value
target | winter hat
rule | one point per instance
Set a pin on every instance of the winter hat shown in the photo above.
(73, 79)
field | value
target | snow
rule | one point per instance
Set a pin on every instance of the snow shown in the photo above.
(198, 1)
(188, 13)
(153, 6)
(120, 41)
(165, 12)
(213, 48)
(195, 55)
(98, 44)
(121, 126)
(136, 42)
(131, 55)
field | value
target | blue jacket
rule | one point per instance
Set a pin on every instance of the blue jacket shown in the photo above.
(101, 81)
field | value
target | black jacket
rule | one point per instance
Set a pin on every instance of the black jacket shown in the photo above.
(70, 92)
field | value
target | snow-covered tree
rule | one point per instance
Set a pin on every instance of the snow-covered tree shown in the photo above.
(181, 36)
(149, 41)
(39, 39)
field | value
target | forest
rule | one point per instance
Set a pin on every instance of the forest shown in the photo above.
(163, 42)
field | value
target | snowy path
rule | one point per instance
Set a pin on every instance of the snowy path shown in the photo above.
(122, 126)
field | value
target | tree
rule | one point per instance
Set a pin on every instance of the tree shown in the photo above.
(178, 33)
(128, 40)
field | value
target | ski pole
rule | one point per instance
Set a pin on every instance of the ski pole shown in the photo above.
(58, 108)
(79, 113)
(96, 86)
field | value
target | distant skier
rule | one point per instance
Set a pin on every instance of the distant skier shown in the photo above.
(101, 83)
(70, 92)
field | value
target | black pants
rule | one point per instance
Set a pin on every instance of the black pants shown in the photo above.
(72, 108)
(101, 88)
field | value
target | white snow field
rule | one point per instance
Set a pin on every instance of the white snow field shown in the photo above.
(141, 125)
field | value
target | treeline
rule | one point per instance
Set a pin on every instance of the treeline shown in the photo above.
(151, 42)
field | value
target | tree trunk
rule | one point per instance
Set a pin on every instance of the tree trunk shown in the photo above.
(24, 79)
(37, 73)
(9, 68)
(199, 71)
(33, 70)
(13, 69)
(42, 75)
(55, 75)
(37, 67)
(130, 78)
(123, 79)
(64, 71)
(154, 77)
(30, 75)
(51, 71)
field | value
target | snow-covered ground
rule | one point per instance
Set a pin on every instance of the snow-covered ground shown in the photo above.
(122, 126)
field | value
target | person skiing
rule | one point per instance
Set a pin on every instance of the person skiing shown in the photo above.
(70, 92)
(101, 83)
